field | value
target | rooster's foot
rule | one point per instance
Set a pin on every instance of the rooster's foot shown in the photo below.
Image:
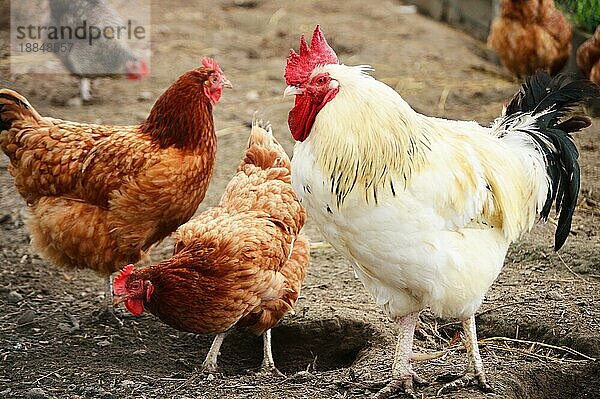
(402, 383)
(466, 380)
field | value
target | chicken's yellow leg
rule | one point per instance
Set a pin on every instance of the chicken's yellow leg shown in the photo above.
(268, 364)
(209, 365)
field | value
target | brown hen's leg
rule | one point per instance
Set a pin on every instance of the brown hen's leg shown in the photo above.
(210, 363)
(475, 374)
(402, 372)
(107, 311)
(268, 364)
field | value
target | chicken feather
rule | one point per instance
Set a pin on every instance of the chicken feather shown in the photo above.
(425, 208)
(529, 35)
(240, 263)
(101, 195)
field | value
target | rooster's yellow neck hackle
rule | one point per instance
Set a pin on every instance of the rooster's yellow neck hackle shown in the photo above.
(379, 150)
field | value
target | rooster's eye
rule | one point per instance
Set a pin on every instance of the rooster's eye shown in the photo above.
(321, 80)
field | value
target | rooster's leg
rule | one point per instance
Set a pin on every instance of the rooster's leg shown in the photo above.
(402, 372)
(85, 89)
(268, 364)
(210, 363)
(475, 374)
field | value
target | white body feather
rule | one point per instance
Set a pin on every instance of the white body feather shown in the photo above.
(428, 206)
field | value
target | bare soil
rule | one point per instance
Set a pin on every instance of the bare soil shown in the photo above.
(51, 346)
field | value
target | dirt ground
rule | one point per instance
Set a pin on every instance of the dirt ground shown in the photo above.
(51, 346)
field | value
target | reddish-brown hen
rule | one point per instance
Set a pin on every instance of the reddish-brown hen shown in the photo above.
(588, 57)
(530, 35)
(101, 195)
(238, 264)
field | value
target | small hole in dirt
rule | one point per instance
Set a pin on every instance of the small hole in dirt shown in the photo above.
(558, 381)
(572, 378)
(335, 343)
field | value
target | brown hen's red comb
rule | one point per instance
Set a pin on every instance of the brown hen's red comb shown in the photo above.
(299, 66)
(121, 280)
(210, 63)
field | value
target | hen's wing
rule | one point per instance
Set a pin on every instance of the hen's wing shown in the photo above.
(269, 312)
(52, 157)
(588, 54)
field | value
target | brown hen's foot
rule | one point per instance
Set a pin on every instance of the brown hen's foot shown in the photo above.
(468, 379)
(270, 371)
(208, 368)
(268, 364)
(107, 316)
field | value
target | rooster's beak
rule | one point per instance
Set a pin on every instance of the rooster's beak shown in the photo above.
(227, 84)
(117, 299)
(292, 91)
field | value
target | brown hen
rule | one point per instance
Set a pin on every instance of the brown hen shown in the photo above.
(240, 264)
(530, 35)
(101, 195)
(588, 57)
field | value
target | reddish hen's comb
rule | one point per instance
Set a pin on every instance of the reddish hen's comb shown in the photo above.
(210, 63)
(299, 66)
(121, 280)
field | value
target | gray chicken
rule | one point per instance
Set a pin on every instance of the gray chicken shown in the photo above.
(106, 56)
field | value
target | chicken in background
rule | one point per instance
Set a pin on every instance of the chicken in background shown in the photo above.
(106, 56)
(588, 57)
(99, 196)
(425, 208)
(240, 264)
(530, 35)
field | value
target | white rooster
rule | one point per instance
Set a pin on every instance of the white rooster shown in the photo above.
(425, 208)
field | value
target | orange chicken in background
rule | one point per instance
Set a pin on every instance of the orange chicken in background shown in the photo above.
(588, 57)
(530, 35)
(99, 196)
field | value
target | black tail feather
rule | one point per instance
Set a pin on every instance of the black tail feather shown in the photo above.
(6, 123)
(551, 101)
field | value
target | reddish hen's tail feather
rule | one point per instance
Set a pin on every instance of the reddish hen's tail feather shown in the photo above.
(13, 108)
(263, 149)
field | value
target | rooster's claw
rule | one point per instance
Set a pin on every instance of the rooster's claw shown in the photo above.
(468, 379)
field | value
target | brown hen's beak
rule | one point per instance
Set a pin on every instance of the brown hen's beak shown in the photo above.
(117, 299)
(227, 84)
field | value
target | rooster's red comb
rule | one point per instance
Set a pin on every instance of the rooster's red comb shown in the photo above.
(121, 280)
(210, 63)
(299, 66)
